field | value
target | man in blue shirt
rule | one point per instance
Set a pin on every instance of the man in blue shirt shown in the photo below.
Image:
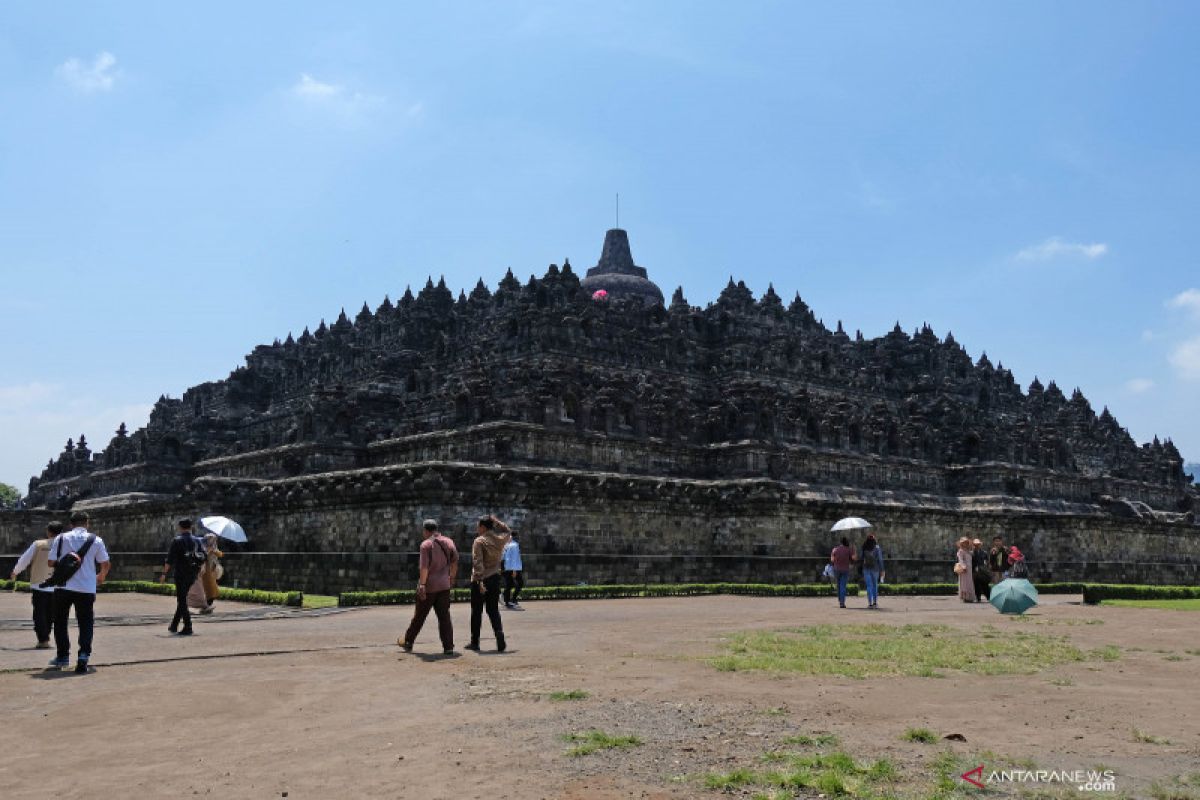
(514, 577)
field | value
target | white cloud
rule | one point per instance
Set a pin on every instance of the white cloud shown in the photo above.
(310, 87)
(1188, 299)
(336, 101)
(1055, 246)
(99, 76)
(1139, 385)
(1185, 358)
(37, 418)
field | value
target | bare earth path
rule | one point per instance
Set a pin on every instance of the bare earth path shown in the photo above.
(263, 702)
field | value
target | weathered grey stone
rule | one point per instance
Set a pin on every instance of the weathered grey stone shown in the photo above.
(611, 427)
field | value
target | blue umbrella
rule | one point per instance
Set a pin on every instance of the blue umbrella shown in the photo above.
(1013, 596)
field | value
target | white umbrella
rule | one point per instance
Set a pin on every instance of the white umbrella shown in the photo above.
(225, 528)
(850, 524)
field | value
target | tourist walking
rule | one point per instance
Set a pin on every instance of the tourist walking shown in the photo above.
(979, 570)
(212, 571)
(962, 568)
(871, 559)
(514, 575)
(1017, 568)
(36, 559)
(438, 569)
(841, 558)
(998, 560)
(185, 558)
(79, 590)
(486, 553)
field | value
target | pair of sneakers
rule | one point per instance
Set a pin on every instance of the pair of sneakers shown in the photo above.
(187, 630)
(513, 606)
(63, 663)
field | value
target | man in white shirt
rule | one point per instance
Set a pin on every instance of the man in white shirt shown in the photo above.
(79, 591)
(36, 559)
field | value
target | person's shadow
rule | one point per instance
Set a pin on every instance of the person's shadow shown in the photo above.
(53, 674)
(430, 657)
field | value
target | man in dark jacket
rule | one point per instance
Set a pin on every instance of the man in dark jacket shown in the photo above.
(979, 570)
(998, 560)
(185, 557)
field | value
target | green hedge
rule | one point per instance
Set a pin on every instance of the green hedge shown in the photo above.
(1096, 592)
(294, 599)
(927, 589)
(610, 591)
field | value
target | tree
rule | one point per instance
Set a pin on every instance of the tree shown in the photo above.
(9, 495)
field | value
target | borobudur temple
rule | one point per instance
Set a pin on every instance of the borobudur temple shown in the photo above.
(630, 440)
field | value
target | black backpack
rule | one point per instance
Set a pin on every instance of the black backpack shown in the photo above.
(66, 566)
(197, 555)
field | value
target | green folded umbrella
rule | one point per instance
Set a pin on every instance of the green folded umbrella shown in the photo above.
(1013, 596)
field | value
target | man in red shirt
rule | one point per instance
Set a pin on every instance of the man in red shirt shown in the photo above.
(439, 567)
(841, 558)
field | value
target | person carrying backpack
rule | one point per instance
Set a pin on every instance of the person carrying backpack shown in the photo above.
(871, 560)
(438, 567)
(80, 563)
(185, 557)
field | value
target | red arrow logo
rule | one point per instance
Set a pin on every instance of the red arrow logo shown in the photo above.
(978, 773)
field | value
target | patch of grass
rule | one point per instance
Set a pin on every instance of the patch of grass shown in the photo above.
(834, 774)
(922, 735)
(868, 651)
(1173, 791)
(775, 712)
(574, 694)
(1146, 738)
(730, 780)
(819, 740)
(882, 770)
(320, 601)
(1062, 682)
(1109, 652)
(1173, 657)
(831, 784)
(594, 741)
(1192, 604)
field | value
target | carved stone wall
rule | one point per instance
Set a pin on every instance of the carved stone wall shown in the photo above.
(360, 529)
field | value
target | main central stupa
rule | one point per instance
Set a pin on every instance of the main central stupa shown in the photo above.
(618, 275)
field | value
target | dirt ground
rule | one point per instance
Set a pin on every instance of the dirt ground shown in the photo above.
(265, 703)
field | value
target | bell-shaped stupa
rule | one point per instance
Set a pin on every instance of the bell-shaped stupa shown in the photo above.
(618, 275)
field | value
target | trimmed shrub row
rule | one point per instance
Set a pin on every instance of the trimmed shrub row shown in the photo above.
(912, 589)
(610, 591)
(294, 599)
(1096, 592)
(1092, 592)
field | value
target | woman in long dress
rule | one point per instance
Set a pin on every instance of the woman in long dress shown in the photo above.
(966, 581)
(212, 569)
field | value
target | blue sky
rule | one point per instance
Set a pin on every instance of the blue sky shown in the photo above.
(181, 183)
